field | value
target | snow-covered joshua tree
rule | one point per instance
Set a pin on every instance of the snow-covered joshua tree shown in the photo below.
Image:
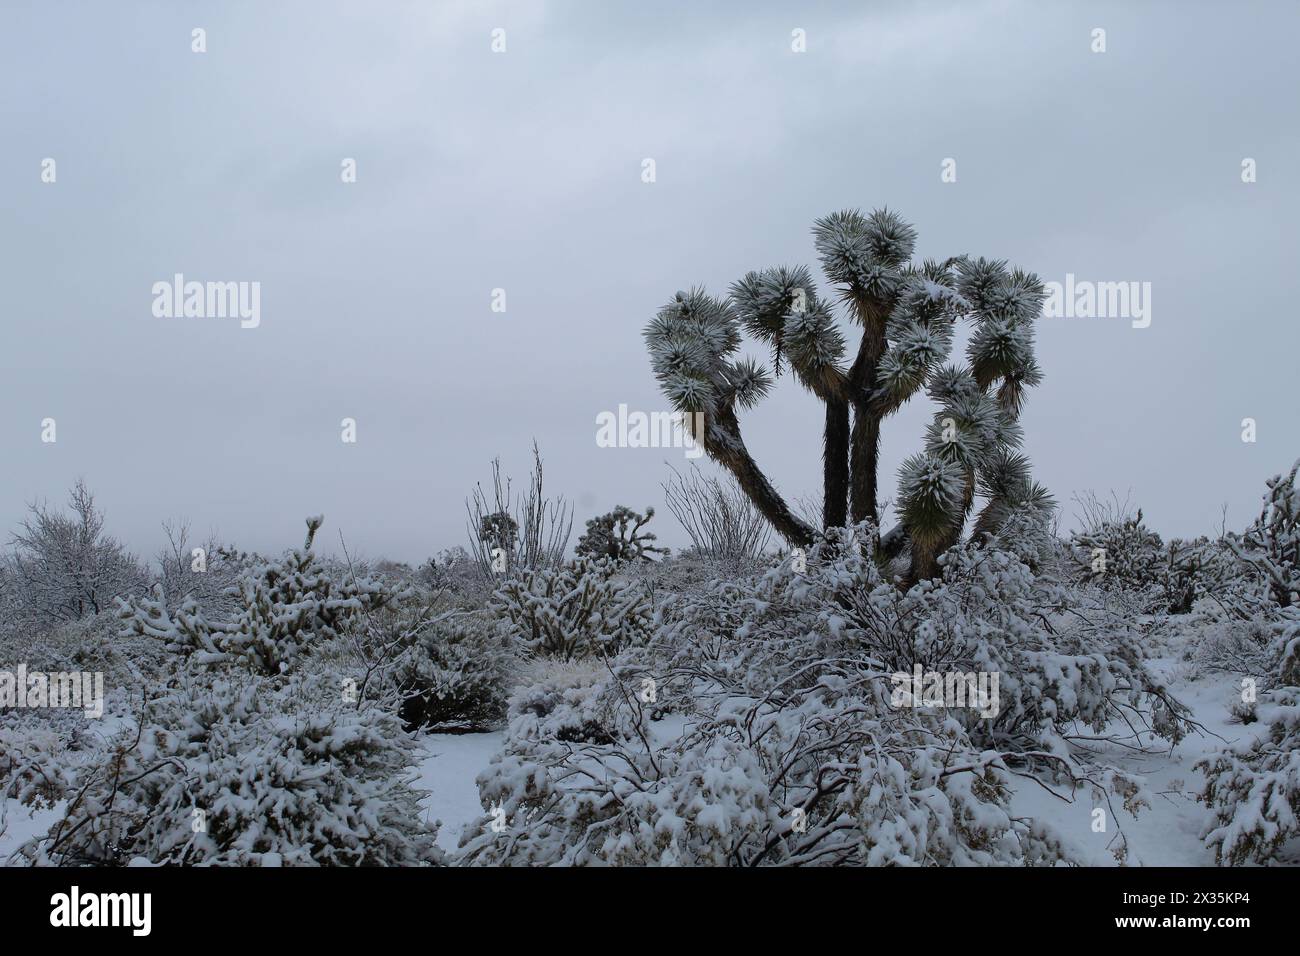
(907, 313)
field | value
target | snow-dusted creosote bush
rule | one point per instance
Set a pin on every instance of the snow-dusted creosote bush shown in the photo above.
(582, 608)
(238, 769)
(1253, 787)
(617, 536)
(252, 750)
(1116, 552)
(907, 313)
(457, 672)
(796, 749)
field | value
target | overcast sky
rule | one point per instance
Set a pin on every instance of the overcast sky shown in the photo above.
(522, 171)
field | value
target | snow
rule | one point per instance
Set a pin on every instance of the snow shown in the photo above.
(1165, 834)
(448, 766)
(1168, 833)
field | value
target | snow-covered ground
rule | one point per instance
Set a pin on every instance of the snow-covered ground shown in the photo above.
(447, 769)
(1166, 834)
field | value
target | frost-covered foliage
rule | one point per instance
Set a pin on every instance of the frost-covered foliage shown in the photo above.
(64, 566)
(34, 767)
(1253, 788)
(245, 770)
(251, 749)
(1124, 558)
(1272, 544)
(457, 672)
(796, 750)
(283, 606)
(1119, 554)
(617, 536)
(583, 608)
(456, 572)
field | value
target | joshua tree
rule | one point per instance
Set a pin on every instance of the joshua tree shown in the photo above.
(617, 535)
(907, 313)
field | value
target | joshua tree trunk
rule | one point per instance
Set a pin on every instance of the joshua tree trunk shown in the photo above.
(723, 442)
(835, 465)
(865, 449)
(865, 456)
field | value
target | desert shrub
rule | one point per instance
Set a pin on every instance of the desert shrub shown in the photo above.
(282, 607)
(690, 571)
(1253, 787)
(720, 519)
(1119, 553)
(796, 748)
(236, 769)
(458, 673)
(582, 608)
(455, 572)
(1271, 545)
(252, 750)
(35, 768)
(64, 566)
(510, 533)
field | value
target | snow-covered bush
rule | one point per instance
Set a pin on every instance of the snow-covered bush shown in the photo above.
(690, 571)
(456, 572)
(1253, 788)
(283, 606)
(796, 749)
(582, 608)
(1059, 663)
(1271, 545)
(457, 673)
(236, 769)
(64, 566)
(1119, 553)
(254, 748)
(34, 766)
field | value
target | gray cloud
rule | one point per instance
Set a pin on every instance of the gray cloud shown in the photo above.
(521, 171)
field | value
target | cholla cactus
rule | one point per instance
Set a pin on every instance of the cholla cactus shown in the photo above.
(908, 315)
(283, 607)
